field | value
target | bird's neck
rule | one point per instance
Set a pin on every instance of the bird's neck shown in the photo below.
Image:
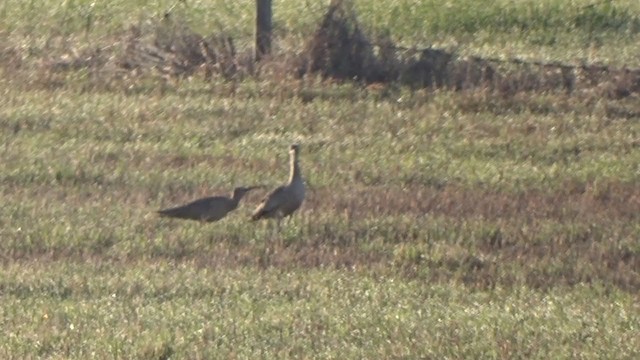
(235, 200)
(294, 172)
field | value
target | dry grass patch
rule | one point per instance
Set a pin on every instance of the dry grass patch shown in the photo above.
(597, 202)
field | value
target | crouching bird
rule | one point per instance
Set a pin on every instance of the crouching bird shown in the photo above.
(208, 209)
(285, 199)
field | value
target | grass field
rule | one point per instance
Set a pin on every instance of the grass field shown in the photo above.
(438, 224)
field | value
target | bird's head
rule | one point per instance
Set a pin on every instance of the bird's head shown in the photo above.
(239, 192)
(294, 149)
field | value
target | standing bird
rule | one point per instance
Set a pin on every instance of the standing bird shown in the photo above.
(286, 199)
(208, 209)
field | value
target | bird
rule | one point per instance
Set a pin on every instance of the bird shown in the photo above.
(286, 199)
(208, 209)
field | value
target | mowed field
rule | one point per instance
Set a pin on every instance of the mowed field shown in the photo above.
(437, 224)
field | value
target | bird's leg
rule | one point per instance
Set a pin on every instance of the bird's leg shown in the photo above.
(270, 248)
(278, 234)
(273, 230)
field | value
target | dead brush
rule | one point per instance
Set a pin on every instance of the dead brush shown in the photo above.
(173, 49)
(339, 48)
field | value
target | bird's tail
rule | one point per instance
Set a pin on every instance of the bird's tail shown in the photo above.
(172, 212)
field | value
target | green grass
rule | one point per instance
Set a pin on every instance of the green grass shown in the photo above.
(148, 309)
(438, 224)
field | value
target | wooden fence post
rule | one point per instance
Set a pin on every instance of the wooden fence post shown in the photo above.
(263, 29)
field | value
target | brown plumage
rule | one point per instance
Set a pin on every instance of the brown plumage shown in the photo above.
(208, 209)
(286, 199)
